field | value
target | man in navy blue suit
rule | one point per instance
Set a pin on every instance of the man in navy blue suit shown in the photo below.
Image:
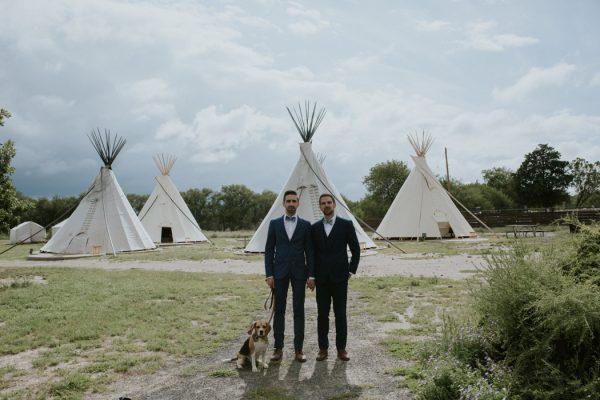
(332, 236)
(289, 259)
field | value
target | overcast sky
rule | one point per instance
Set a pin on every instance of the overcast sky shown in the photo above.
(208, 82)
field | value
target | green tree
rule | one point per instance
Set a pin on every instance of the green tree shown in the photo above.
(233, 204)
(201, 203)
(51, 211)
(12, 205)
(542, 179)
(476, 196)
(137, 201)
(383, 184)
(502, 179)
(586, 179)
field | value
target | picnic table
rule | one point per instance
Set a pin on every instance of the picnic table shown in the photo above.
(523, 230)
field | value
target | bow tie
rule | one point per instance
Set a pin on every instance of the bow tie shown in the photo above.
(328, 221)
(292, 219)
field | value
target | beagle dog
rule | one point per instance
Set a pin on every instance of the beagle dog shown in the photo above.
(255, 347)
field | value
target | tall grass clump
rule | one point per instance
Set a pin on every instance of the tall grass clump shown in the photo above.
(534, 331)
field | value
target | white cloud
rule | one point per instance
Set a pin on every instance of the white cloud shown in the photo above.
(214, 136)
(432, 26)
(480, 36)
(534, 79)
(306, 21)
(595, 80)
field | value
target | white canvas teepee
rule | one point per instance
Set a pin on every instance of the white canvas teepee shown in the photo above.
(104, 221)
(309, 180)
(27, 232)
(165, 215)
(422, 208)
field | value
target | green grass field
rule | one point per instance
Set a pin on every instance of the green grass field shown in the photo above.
(78, 330)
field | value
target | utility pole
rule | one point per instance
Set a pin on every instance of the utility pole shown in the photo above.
(447, 172)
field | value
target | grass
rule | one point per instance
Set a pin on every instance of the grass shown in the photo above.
(89, 327)
(98, 324)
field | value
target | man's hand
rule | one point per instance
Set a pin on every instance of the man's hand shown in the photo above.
(270, 282)
(310, 283)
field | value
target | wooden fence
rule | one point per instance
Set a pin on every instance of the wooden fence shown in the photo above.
(496, 218)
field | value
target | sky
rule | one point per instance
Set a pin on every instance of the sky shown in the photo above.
(208, 82)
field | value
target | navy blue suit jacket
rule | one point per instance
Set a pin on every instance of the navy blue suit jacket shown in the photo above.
(331, 255)
(289, 258)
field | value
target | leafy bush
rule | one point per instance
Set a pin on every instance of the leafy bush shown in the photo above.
(585, 266)
(534, 334)
(543, 324)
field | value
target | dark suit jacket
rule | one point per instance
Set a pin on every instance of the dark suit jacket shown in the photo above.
(331, 255)
(289, 258)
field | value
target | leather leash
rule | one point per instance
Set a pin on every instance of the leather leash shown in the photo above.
(270, 300)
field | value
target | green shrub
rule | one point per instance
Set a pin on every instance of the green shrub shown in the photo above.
(585, 265)
(543, 324)
(534, 331)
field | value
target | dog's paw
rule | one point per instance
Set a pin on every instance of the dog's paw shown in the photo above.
(254, 369)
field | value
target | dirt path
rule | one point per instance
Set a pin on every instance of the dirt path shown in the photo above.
(364, 376)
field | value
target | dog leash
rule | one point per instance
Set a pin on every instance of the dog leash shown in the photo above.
(270, 300)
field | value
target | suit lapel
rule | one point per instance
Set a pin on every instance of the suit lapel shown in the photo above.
(297, 229)
(282, 228)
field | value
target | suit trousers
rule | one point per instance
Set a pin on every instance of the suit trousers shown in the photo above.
(328, 292)
(298, 292)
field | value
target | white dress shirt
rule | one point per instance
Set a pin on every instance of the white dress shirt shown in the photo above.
(290, 226)
(328, 227)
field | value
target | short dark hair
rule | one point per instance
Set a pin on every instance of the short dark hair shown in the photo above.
(288, 192)
(326, 195)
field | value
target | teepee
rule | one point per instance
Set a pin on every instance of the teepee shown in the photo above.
(104, 221)
(309, 180)
(165, 215)
(422, 208)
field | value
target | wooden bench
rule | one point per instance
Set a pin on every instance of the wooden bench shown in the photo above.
(524, 230)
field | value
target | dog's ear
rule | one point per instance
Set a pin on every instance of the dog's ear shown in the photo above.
(251, 327)
(268, 328)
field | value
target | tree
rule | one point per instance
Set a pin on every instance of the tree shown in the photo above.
(502, 179)
(137, 201)
(11, 203)
(586, 179)
(542, 179)
(483, 197)
(234, 202)
(383, 184)
(201, 203)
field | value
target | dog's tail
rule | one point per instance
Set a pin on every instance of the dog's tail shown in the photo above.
(228, 360)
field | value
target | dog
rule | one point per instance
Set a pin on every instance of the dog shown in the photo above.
(255, 347)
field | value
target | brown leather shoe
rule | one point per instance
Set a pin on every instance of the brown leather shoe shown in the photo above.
(322, 355)
(277, 354)
(300, 357)
(343, 355)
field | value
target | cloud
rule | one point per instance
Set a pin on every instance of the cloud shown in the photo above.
(432, 26)
(480, 36)
(215, 136)
(534, 79)
(306, 21)
(595, 80)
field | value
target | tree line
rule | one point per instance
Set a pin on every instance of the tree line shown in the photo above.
(542, 180)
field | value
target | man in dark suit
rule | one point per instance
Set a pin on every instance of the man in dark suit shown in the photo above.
(289, 259)
(332, 236)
